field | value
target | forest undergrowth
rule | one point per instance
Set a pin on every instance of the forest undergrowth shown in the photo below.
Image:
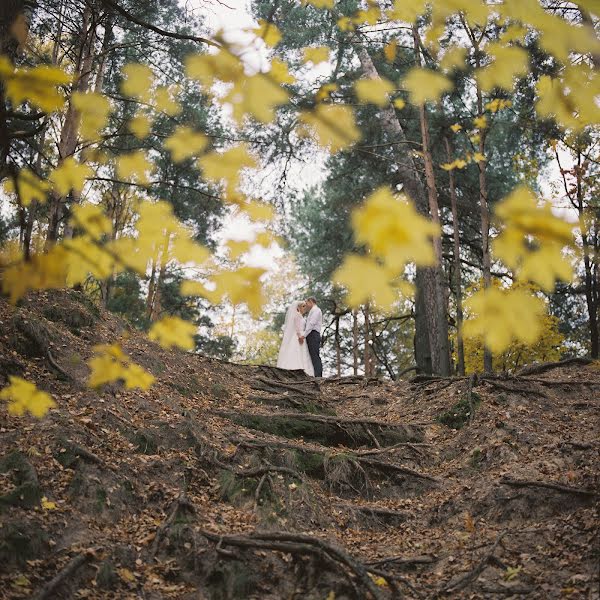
(225, 481)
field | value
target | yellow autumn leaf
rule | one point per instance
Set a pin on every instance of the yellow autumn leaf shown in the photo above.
(218, 166)
(454, 58)
(94, 110)
(206, 68)
(37, 85)
(394, 231)
(21, 581)
(268, 32)
(509, 63)
(399, 103)
(236, 249)
(134, 167)
(163, 100)
(23, 396)
(138, 81)
(325, 91)
(424, 85)
(355, 271)
(258, 211)
(110, 364)
(497, 104)
(172, 332)
(316, 55)
(478, 157)
(256, 96)
(503, 316)
(458, 163)
(184, 142)
(126, 575)
(91, 218)
(241, 286)
(390, 50)
(406, 10)
(456, 127)
(140, 125)
(375, 91)
(29, 187)
(333, 125)
(319, 3)
(69, 175)
(47, 504)
(279, 72)
(480, 122)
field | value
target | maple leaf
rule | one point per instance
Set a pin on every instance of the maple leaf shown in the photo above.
(206, 68)
(241, 286)
(279, 72)
(164, 102)
(92, 219)
(316, 55)
(109, 364)
(333, 125)
(29, 187)
(503, 316)
(399, 103)
(69, 175)
(480, 122)
(227, 165)
(94, 110)
(140, 126)
(268, 32)
(390, 50)
(509, 62)
(424, 85)
(138, 81)
(172, 332)
(257, 96)
(394, 231)
(325, 91)
(134, 167)
(406, 10)
(47, 504)
(24, 396)
(456, 127)
(36, 85)
(353, 273)
(375, 91)
(184, 142)
(258, 211)
(319, 3)
(454, 58)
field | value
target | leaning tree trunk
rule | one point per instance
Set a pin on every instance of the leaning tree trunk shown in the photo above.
(429, 346)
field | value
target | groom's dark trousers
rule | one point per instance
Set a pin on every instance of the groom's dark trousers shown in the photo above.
(313, 340)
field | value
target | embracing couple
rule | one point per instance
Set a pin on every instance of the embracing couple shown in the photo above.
(302, 338)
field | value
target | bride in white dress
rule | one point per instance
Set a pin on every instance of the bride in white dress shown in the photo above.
(293, 354)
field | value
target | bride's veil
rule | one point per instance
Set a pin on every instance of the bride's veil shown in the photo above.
(288, 324)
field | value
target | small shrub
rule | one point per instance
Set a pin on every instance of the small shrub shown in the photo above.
(459, 414)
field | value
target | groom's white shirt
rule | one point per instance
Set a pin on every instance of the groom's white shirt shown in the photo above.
(314, 321)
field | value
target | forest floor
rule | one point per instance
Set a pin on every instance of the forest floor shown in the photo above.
(226, 481)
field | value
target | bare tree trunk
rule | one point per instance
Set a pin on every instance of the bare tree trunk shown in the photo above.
(427, 346)
(68, 139)
(441, 358)
(355, 341)
(151, 290)
(367, 351)
(338, 350)
(460, 347)
(590, 296)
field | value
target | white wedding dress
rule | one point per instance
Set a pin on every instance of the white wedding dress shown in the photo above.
(293, 354)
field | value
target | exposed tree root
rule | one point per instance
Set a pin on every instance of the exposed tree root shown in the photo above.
(63, 575)
(552, 486)
(299, 543)
(301, 387)
(404, 561)
(547, 366)
(385, 514)
(182, 503)
(515, 389)
(461, 582)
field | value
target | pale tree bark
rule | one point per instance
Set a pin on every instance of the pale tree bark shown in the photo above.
(460, 347)
(430, 345)
(355, 341)
(68, 138)
(367, 349)
(338, 350)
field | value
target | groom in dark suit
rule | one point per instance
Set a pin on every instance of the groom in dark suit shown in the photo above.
(312, 334)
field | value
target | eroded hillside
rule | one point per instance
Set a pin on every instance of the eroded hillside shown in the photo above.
(226, 481)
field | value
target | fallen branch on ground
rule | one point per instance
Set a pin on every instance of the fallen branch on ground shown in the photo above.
(545, 484)
(424, 559)
(64, 574)
(465, 580)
